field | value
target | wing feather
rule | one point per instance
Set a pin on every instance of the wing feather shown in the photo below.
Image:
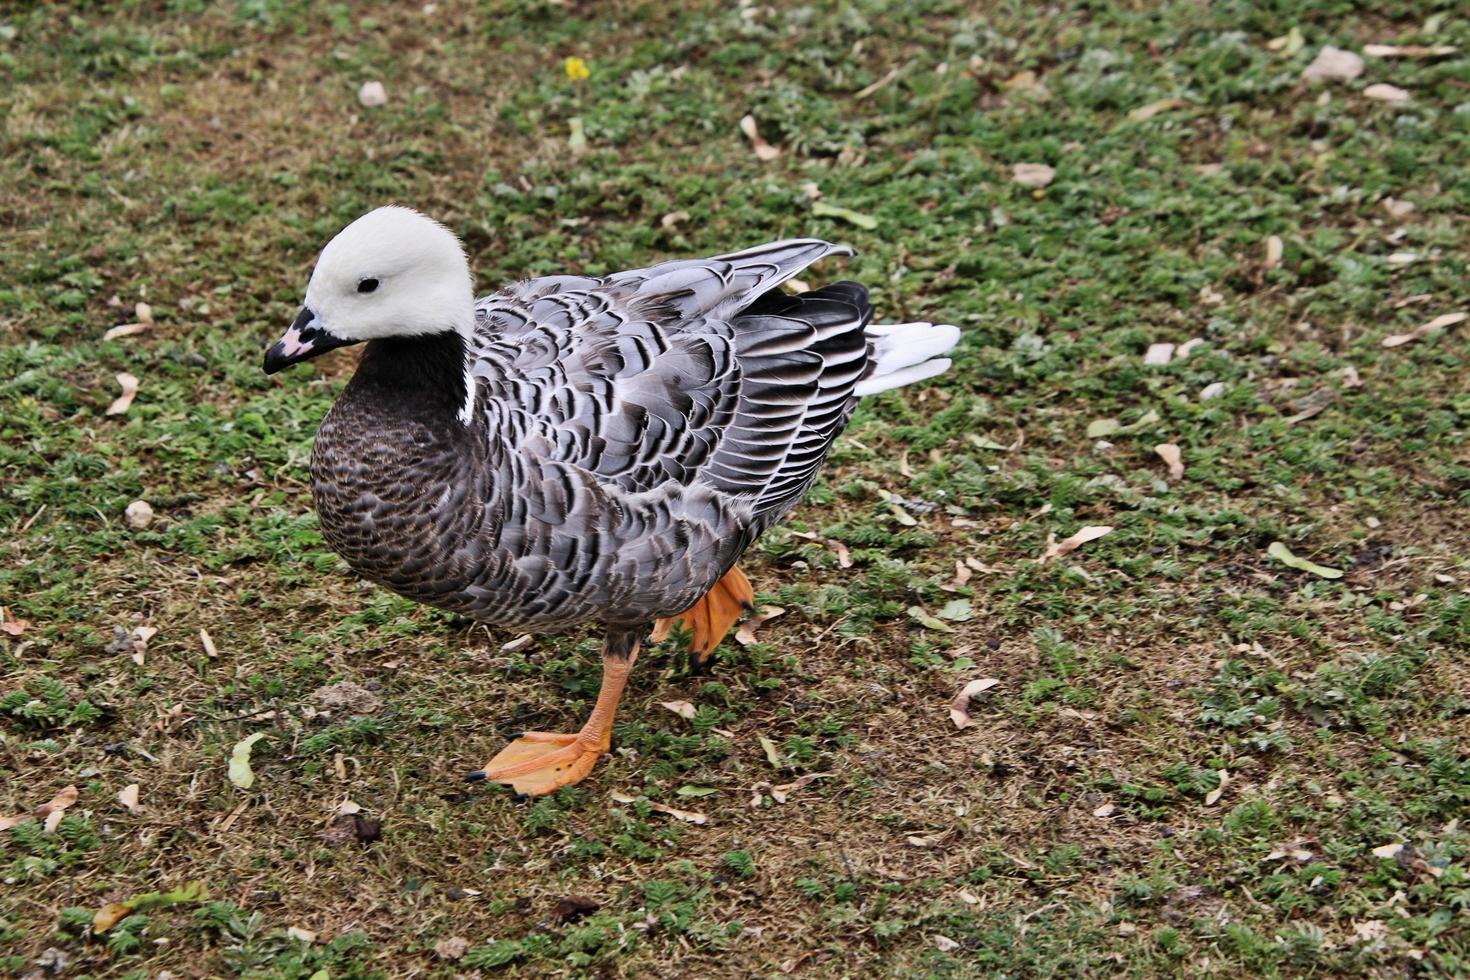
(690, 372)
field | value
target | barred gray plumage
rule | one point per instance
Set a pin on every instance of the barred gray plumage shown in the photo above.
(580, 450)
(630, 437)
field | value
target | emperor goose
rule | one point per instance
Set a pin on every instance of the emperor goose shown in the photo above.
(578, 450)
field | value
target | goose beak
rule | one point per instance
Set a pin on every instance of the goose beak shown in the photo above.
(304, 340)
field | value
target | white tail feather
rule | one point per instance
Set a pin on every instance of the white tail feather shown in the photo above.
(906, 352)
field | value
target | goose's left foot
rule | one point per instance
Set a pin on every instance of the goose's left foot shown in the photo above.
(711, 617)
(543, 762)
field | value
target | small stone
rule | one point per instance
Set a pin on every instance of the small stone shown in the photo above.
(451, 947)
(1214, 390)
(1333, 64)
(1158, 355)
(1032, 174)
(372, 94)
(138, 514)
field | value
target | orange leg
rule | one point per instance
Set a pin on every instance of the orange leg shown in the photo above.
(710, 618)
(543, 762)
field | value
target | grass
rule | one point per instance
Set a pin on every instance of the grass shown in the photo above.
(196, 156)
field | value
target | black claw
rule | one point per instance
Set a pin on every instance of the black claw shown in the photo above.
(747, 605)
(521, 796)
(478, 776)
(648, 641)
(515, 736)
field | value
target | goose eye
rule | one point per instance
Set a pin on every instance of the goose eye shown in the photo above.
(367, 285)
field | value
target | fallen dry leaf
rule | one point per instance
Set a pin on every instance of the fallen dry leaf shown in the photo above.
(688, 816)
(944, 944)
(140, 637)
(125, 330)
(764, 151)
(1409, 50)
(959, 708)
(1106, 810)
(1056, 549)
(673, 218)
(1311, 405)
(1158, 355)
(962, 575)
(1213, 796)
(110, 915)
(304, 935)
(782, 792)
(1172, 458)
(1289, 43)
(207, 642)
(745, 636)
(920, 616)
(139, 514)
(1283, 554)
(1023, 80)
(519, 643)
(1296, 852)
(239, 771)
(9, 626)
(1212, 390)
(1187, 348)
(1424, 330)
(123, 402)
(1145, 112)
(1275, 248)
(128, 797)
(1333, 64)
(53, 812)
(1350, 377)
(1384, 92)
(825, 210)
(773, 754)
(372, 95)
(1032, 174)
(683, 709)
(1387, 850)
(143, 312)
(190, 893)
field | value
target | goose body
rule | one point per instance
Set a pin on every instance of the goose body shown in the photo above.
(580, 450)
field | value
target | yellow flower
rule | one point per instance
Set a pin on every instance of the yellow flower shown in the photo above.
(577, 69)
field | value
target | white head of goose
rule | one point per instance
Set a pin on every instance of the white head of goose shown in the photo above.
(576, 450)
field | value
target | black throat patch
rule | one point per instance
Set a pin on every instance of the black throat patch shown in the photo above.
(420, 373)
